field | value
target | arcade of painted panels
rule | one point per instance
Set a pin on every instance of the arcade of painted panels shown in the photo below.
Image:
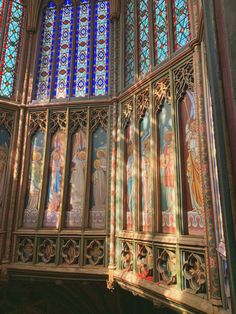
(116, 159)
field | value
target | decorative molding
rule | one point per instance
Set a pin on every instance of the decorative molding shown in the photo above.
(57, 121)
(127, 110)
(184, 80)
(70, 252)
(25, 250)
(99, 116)
(47, 251)
(161, 92)
(166, 267)
(142, 103)
(145, 261)
(7, 120)
(194, 271)
(94, 252)
(37, 120)
(127, 256)
(78, 120)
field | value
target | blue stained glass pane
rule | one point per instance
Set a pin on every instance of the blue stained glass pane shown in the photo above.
(143, 37)
(160, 30)
(62, 77)
(47, 43)
(181, 23)
(11, 48)
(129, 42)
(82, 50)
(101, 48)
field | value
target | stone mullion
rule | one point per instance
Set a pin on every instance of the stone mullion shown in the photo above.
(15, 163)
(36, 42)
(136, 221)
(46, 161)
(108, 167)
(152, 156)
(65, 177)
(85, 221)
(24, 174)
(119, 185)
(211, 256)
(113, 191)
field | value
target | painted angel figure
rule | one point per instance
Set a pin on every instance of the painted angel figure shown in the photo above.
(78, 180)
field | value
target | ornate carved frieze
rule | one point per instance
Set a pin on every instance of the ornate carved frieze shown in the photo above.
(145, 261)
(7, 120)
(194, 272)
(161, 92)
(57, 121)
(47, 251)
(166, 266)
(142, 103)
(25, 250)
(78, 120)
(94, 252)
(127, 110)
(70, 252)
(184, 80)
(37, 120)
(99, 116)
(127, 256)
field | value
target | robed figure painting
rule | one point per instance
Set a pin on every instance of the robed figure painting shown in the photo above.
(4, 152)
(191, 165)
(56, 171)
(77, 180)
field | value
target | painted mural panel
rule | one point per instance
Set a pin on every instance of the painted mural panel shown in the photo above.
(167, 170)
(74, 213)
(129, 175)
(56, 172)
(34, 179)
(4, 153)
(98, 191)
(145, 166)
(191, 165)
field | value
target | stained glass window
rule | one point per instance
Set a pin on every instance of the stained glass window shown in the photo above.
(160, 30)
(181, 23)
(82, 50)
(46, 53)
(129, 42)
(143, 37)
(66, 31)
(12, 39)
(101, 48)
(65, 38)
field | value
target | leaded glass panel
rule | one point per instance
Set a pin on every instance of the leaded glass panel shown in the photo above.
(101, 48)
(82, 50)
(143, 37)
(160, 30)
(64, 50)
(181, 23)
(46, 53)
(11, 47)
(129, 42)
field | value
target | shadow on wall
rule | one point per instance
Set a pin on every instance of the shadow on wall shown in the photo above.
(73, 298)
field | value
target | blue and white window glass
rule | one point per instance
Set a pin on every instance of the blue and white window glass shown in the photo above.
(74, 50)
